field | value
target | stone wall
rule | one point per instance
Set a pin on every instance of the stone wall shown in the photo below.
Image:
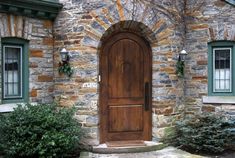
(214, 21)
(80, 28)
(39, 34)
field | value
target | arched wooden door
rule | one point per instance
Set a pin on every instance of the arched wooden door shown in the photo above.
(125, 89)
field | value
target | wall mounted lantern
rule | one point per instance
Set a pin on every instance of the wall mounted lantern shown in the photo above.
(64, 65)
(64, 54)
(182, 55)
(180, 64)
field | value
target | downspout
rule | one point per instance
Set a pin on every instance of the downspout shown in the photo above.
(184, 30)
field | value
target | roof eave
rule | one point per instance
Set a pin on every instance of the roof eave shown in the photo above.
(30, 8)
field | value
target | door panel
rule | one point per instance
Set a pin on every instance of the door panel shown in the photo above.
(124, 72)
(120, 115)
(125, 68)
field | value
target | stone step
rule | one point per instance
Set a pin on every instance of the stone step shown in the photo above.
(168, 152)
(148, 146)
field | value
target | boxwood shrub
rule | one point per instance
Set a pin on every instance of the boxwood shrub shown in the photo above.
(204, 133)
(43, 130)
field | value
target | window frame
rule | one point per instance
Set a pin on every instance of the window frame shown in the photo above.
(21, 68)
(231, 69)
(211, 47)
(17, 42)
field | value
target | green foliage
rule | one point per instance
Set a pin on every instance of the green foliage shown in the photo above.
(203, 133)
(180, 68)
(66, 69)
(43, 130)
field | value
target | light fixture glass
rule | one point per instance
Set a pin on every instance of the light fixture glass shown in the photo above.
(64, 54)
(182, 55)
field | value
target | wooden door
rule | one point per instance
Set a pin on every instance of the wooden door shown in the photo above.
(125, 89)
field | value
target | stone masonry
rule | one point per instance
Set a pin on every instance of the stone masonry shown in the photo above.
(82, 25)
(80, 28)
(212, 22)
(39, 34)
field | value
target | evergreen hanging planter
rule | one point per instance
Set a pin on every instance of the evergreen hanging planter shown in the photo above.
(180, 69)
(65, 68)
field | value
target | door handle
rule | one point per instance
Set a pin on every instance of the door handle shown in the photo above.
(146, 96)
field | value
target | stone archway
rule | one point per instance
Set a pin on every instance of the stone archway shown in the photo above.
(134, 100)
(157, 36)
(98, 24)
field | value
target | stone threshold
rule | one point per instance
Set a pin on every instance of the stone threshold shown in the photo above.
(148, 146)
(168, 152)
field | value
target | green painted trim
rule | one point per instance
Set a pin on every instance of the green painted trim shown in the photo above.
(232, 2)
(210, 70)
(25, 70)
(51, 0)
(220, 44)
(42, 9)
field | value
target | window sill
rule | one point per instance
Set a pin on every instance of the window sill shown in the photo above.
(9, 107)
(219, 99)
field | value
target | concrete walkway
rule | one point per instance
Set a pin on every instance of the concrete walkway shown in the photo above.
(168, 152)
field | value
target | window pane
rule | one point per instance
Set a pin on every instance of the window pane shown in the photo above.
(222, 69)
(12, 71)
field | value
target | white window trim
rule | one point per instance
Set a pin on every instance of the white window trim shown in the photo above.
(11, 106)
(21, 88)
(7, 107)
(218, 91)
(218, 99)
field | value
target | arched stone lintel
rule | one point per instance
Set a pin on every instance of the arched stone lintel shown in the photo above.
(132, 26)
(108, 22)
(94, 37)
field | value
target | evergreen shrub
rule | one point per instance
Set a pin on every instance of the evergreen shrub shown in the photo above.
(44, 130)
(208, 133)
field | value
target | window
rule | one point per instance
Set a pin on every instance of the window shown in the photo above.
(221, 69)
(14, 70)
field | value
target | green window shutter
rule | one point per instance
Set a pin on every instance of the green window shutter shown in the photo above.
(18, 42)
(220, 45)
